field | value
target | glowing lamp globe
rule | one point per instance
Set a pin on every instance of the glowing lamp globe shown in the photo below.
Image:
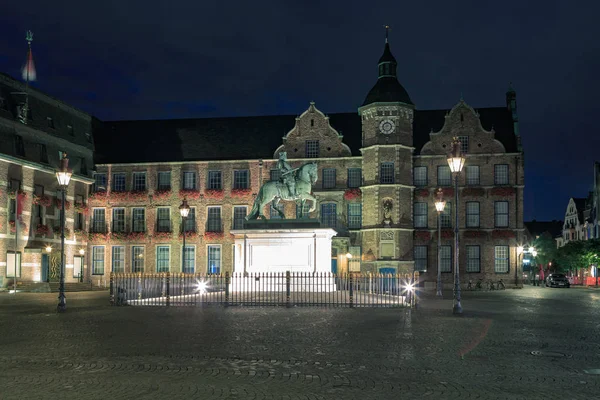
(184, 209)
(519, 249)
(63, 175)
(440, 203)
(456, 161)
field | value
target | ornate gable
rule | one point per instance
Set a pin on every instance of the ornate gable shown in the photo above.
(313, 126)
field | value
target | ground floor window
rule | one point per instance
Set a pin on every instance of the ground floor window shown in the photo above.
(137, 258)
(420, 254)
(189, 257)
(118, 259)
(501, 259)
(13, 264)
(446, 259)
(473, 259)
(214, 259)
(77, 267)
(98, 260)
(162, 258)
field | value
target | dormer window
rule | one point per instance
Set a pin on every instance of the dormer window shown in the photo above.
(312, 122)
(70, 130)
(50, 122)
(88, 137)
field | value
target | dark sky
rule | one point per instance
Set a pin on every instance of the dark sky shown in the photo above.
(173, 59)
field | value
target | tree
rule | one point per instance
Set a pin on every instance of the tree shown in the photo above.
(545, 246)
(579, 254)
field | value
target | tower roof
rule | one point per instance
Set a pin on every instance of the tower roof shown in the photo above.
(387, 55)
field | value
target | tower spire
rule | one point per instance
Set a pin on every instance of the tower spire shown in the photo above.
(387, 29)
(28, 75)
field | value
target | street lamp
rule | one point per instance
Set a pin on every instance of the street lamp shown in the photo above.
(440, 204)
(519, 256)
(456, 161)
(184, 210)
(48, 249)
(63, 175)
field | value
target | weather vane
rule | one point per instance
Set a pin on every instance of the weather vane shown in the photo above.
(387, 29)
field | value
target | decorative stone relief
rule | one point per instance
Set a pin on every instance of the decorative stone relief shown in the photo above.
(386, 235)
(388, 206)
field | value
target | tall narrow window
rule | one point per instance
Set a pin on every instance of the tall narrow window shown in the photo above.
(472, 214)
(501, 174)
(162, 258)
(473, 259)
(446, 217)
(118, 183)
(354, 177)
(464, 144)
(99, 182)
(82, 166)
(420, 214)
(118, 220)
(329, 215)
(98, 220)
(118, 259)
(444, 177)
(43, 154)
(70, 130)
(98, 260)
(213, 221)
(239, 216)
(163, 219)
(137, 258)
(13, 264)
(189, 180)
(19, 146)
(190, 220)
(240, 179)
(215, 180)
(50, 122)
(386, 172)
(189, 254)
(472, 175)
(312, 149)
(328, 178)
(139, 181)
(354, 215)
(138, 216)
(305, 213)
(214, 259)
(164, 180)
(420, 176)
(420, 254)
(38, 209)
(501, 214)
(446, 259)
(501, 259)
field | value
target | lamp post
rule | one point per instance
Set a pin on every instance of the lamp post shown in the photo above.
(456, 161)
(440, 204)
(184, 210)
(519, 256)
(63, 175)
(81, 253)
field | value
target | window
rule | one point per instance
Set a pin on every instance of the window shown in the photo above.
(312, 149)
(77, 267)
(501, 174)
(98, 260)
(473, 259)
(88, 136)
(214, 259)
(303, 213)
(137, 258)
(464, 144)
(70, 130)
(139, 181)
(354, 262)
(189, 180)
(43, 154)
(501, 214)
(275, 174)
(329, 215)
(99, 183)
(163, 219)
(420, 254)
(312, 122)
(38, 209)
(118, 224)
(354, 215)
(190, 221)
(420, 176)
(273, 213)
(162, 258)
(386, 172)
(420, 212)
(240, 179)
(213, 221)
(214, 180)
(138, 215)
(50, 122)
(444, 177)
(446, 258)
(328, 178)
(189, 259)
(13, 264)
(3, 104)
(98, 220)
(501, 259)
(118, 183)
(118, 259)
(472, 214)
(19, 146)
(164, 180)
(82, 166)
(354, 177)
(472, 174)
(446, 216)
(239, 217)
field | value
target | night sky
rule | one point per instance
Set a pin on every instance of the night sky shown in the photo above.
(179, 59)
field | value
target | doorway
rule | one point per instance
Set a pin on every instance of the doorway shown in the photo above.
(45, 268)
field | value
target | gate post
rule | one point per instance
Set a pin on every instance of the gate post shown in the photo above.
(287, 289)
(168, 289)
(227, 280)
(112, 289)
(351, 291)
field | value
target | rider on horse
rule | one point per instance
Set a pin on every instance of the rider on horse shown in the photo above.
(287, 174)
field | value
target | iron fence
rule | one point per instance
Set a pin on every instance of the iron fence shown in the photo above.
(261, 289)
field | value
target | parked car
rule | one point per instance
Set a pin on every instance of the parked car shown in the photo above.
(557, 280)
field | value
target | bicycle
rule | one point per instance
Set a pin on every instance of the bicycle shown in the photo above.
(470, 285)
(479, 284)
(490, 285)
(500, 285)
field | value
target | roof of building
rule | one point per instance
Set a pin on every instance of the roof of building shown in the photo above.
(244, 138)
(580, 204)
(537, 228)
(387, 90)
(387, 55)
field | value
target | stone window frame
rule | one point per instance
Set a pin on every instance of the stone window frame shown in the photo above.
(473, 263)
(214, 224)
(98, 225)
(162, 185)
(420, 178)
(387, 172)
(472, 179)
(121, 259)
(159, 260)
(122, 185)
(446, 260)
(420, 257)
(163, 228)
(98, 260)
(137, 260)
(215, 269)
(188, 259)
(501, 214)
(420, 214)
(139, 181)
(136, 221)
(444, 175)
(312, 149)
(118, 220)
(501, 259)
(214, 179)
(464, 144)
(238, 218)
(331, 214)
(190, 180)
(501, 174)
(354, 180)
(470, 213)
(354, 218)
(329, 177)
(241, 179)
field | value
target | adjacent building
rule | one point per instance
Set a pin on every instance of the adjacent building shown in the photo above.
(578, 223)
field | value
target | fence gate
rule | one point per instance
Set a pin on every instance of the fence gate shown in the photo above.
(261, 289)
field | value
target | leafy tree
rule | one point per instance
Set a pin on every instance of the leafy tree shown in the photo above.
(579, 254)
(545, 246)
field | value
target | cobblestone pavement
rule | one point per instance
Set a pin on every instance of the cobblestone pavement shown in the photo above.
(535, 343)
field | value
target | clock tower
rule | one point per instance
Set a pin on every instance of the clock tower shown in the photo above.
(387, 150)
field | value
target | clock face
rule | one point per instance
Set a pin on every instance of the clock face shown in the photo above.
(387, 126)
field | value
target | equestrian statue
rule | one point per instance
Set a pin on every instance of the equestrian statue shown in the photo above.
(294, 184)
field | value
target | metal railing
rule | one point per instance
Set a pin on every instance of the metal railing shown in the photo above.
(261, 289)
